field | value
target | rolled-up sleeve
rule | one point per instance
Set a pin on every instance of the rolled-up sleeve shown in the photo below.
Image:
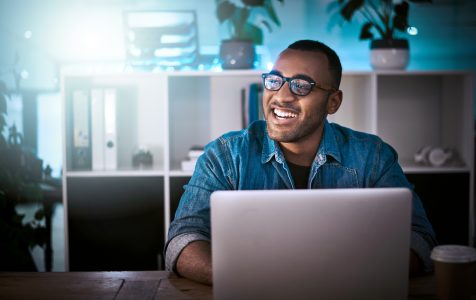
(176, 245)
(422, 248)
(389, 174)
(192, 218)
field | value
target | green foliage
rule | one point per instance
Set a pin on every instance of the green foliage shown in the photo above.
(385, 17)
(16, 185)
(241, 18)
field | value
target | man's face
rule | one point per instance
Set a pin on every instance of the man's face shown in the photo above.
(291, 118)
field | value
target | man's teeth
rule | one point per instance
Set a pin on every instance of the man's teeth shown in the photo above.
(284, 114)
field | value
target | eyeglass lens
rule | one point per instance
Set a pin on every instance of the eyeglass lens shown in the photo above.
(300, 87)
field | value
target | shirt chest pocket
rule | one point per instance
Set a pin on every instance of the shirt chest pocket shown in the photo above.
(333, 176)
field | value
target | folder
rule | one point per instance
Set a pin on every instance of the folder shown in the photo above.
(98, 143)
(81, 152)
(110, 129)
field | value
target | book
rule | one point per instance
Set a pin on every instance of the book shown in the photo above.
(251, 104)
(254, 103)
(195, 151)
(193, 154)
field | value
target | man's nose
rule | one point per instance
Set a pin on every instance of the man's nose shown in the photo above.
(284, 94)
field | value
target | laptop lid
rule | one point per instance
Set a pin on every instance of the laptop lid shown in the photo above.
(311, 244)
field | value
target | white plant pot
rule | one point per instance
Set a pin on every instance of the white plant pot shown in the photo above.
(389, 55)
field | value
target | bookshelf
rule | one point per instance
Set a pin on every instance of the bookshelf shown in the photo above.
(169, 112)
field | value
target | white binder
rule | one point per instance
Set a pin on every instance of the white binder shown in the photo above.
(98, 131)
(81, 139)
(110, 129)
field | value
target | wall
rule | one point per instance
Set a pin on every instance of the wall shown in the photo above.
(70, 31)
(51, 34)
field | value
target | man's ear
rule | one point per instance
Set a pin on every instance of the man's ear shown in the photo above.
(333, 102)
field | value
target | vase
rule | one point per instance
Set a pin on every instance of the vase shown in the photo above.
(389, 54)
(237, 54)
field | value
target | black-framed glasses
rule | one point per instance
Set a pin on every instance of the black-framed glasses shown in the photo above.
(297, 86)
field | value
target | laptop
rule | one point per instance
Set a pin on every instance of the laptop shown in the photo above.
(311, 244)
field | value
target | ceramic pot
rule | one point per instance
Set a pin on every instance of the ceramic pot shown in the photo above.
(237, 54)
(389, 54)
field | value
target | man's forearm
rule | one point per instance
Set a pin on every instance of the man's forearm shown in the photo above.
(415, 264)
(195, 262)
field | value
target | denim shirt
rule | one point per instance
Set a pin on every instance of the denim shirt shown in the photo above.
(250, 160)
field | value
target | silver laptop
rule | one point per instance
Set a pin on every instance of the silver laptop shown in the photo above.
(311, 244)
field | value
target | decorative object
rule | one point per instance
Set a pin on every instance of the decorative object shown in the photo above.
(238, 52)
(434, 156)
(142, 158)
(389, 54)
(386, 18)
(161, 39)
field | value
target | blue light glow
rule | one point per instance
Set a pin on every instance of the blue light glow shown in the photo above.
(269, 66)
(24, 74)
(28, 34)
(412, 30)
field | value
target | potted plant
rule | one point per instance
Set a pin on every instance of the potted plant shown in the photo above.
(384, 20)
(245, 19)
(17, 184)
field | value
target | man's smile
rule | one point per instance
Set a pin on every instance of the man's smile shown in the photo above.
(283, 114)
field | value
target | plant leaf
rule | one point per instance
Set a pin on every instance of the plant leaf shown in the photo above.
(268, 6)
(267, 25)
(31, 192)
(253, 3)
(253, 33)
(3, 88)
(332, 6)
(225, 11)
(3, 104)
(348, 10)
(39, 214)
(18, 218)
(400, 20)
(3, 122)
(239, 21)
(365, 33)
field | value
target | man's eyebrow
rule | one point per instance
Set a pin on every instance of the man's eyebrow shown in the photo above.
(298, 76)
(304, 76)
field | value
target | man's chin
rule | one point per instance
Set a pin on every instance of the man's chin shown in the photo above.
(282, 137)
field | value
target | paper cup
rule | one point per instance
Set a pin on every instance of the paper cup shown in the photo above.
(455, 271)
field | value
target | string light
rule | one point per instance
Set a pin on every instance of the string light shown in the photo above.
(412, 30)
(28, 34)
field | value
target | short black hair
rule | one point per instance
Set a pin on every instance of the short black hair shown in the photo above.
(335, 66)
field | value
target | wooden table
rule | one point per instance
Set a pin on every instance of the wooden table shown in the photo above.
(130, 285)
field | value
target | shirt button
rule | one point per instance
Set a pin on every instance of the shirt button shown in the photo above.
(321, 158)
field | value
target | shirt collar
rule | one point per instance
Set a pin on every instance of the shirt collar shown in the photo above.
(328, 146)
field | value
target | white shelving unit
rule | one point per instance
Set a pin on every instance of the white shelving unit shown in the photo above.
(168, 112)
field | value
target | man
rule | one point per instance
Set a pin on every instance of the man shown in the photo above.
(295, 148)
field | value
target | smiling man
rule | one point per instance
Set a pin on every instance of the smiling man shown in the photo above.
(295, 148)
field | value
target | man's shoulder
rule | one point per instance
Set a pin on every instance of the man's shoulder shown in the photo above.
(348, 135)
(254, 133)
(353, 143)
